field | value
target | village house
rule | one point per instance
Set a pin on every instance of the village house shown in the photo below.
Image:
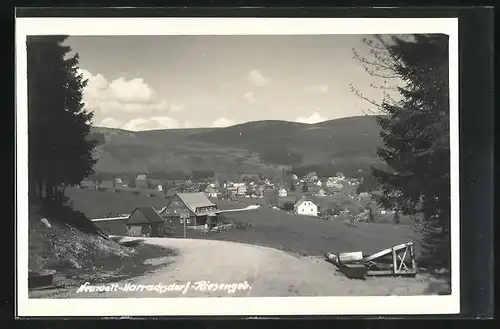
(305, 206)
(321, 192)
(196, 208)
(311, 177)
(159, 187)
(141, 181)
(209, 190)
(241, 190)
(145, 221)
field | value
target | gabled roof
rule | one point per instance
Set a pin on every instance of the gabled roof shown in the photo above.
(151, 215)
(195, 200)
(304, 199)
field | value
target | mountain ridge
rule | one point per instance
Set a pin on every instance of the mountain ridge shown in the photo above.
(254, 146)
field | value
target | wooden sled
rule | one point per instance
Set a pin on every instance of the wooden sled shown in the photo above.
(396, 261)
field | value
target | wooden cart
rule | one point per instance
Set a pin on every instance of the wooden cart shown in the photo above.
(396, 261)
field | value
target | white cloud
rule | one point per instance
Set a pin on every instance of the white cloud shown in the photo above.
(121, 90)
(110, 123)
(322, 89)
(256, 78)
(110, 101)
(135, 90)
(250, 97)
(135, 124)
(155, 122)
(313, 118)
(222, 122)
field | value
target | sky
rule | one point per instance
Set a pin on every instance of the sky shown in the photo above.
(170, 82)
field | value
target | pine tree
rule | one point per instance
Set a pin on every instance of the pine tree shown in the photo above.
(415, 132)
(60, 154)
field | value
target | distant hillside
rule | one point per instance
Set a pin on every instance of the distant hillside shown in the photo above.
(253, 146)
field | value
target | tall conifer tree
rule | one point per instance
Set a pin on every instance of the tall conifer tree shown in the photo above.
(60, 153)
(415, 132)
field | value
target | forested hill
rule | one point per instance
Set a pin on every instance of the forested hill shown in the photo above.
(349, 143)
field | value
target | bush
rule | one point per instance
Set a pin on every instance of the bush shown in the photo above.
(288, 206)
(136, 193)
(242, 226)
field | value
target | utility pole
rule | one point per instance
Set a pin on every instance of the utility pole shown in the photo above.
(185, 229)
(184, 217)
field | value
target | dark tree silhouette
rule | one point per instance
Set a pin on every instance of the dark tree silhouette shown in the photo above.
(304, 187)
(131, 182)
(60, 154)
(415, 132)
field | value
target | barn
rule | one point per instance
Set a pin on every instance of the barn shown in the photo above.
(145, 221)
(196, 206)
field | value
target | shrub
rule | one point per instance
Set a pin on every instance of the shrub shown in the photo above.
(242, 226)
(288, 206)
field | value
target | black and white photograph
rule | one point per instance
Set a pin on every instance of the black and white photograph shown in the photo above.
(215, 166)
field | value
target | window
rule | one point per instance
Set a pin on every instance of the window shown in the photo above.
(188, 220)
(181, 220)
(168, 211)
(176, 211)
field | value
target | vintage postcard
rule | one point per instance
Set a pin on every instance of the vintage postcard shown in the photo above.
(237, 166)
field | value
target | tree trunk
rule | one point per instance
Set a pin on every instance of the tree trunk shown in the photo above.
(48, 190)
(40, 189)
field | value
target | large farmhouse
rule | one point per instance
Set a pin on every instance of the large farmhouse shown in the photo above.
(194, 208)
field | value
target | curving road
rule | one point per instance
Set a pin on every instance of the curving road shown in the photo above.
(267, 271)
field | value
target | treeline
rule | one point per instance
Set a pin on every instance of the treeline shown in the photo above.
(349, 169)
(157, 175)
(97, 137)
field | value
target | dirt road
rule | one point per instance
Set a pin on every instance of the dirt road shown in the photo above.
(260, 271)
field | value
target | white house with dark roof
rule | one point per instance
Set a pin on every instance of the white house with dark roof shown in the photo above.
(282, 193)
(305, 206)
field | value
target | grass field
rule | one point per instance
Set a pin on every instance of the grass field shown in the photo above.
(265, 226)
(309, 236)
(96, 204)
